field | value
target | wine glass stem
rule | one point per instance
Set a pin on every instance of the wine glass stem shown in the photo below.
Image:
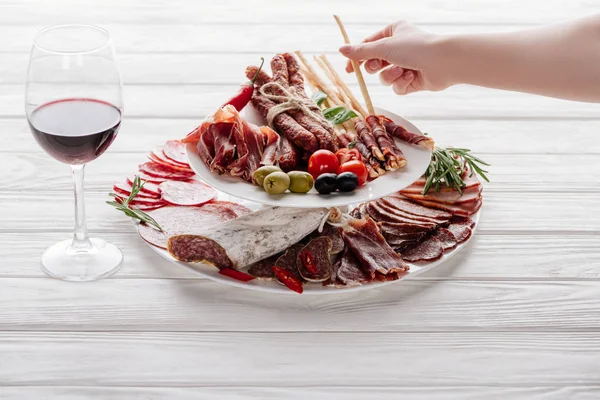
(80, 237)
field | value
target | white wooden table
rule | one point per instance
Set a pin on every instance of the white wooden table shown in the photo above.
(516, 315)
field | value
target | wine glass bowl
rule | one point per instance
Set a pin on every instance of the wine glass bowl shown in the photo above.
(74, 105)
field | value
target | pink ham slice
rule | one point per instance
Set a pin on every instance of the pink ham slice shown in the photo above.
(186, 193)
(124, 189)
(148, 187)
(463, 210)
(453, 197)
(429, 250)
(167, 164)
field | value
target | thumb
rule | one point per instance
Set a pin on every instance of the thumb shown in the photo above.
(365, 51)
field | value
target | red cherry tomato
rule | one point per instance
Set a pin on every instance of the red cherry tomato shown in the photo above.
(321, 162)
(344, 155)
(356, 167)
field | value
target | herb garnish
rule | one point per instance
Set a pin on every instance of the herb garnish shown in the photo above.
(447, 166)
(131, 211)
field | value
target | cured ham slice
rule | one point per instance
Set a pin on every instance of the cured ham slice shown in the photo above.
(429, 250)
(417, 187)
(247, 239)
(349, 271)
(263, 269)
(399, 229)
(369, 246)
(401, 203)
(461, 232)
(448, 197)
(446, 238)
(271, 141)
(380, 214)
(394, 157)
(389, 206)
(463, 210)
(401, 133)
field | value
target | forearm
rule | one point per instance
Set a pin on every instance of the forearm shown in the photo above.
(558, 60)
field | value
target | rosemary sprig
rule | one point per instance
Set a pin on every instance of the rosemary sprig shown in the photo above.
(447, 167)
(132, 211)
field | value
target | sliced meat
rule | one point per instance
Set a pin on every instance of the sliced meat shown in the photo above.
(463, 210)
(381, 215)
(446, 238)
(463, 221)
(239, 209)
(187, 193)
(147, 202)
(263, 269)
(370, 247)
(174, 150)
(461, 232)
(399, 229)
(394, 157)
(263, 233)
(429, 250)
(313, 261)
(160, 171)
(335, 234)
(402, 203)
(290, 155)
(402, 240)
(125, 190)
(448, 197)
(169, 164)
(401, 133)
(221, 208)
(359, 212)
(194, 248)
(386, 205)
(288, 260)
(417, 187)
(223, 147)
(152, 179)
(350, 272)
(365, 136)
(249, 143)
(271, 146)
(179, 220)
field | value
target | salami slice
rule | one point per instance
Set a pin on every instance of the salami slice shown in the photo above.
(263, 269)
(428, 250)
(221, 208)
(194, 248)
(148, 208)
(313, 261)
(159, 154)
(151, 179)
(175, 150)
(148, 187)
(186, 193)
(169, 164)
(124, 189)
(335, 234)
(239, 209)
(160, 171)
(177, 221)
(147, 202)
(461, 232)
(446, 238)
(289, 259)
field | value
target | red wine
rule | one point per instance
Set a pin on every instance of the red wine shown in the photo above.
(75, 131)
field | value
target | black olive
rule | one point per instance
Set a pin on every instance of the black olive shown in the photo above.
(326, 183)
(346, 182)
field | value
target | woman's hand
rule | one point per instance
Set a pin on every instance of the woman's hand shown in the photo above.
(405, 57)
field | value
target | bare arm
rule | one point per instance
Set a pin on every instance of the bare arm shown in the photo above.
(561, 60)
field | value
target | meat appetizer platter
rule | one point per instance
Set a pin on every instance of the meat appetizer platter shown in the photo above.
(344, 198)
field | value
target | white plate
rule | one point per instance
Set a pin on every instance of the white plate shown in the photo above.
(417, 161)
(261, 285)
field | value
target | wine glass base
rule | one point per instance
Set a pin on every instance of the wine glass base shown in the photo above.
(62, 261)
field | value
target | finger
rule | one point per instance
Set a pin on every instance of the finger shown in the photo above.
(350, 67)
(383, 33)
(401, 84)
(389, 75)
(365, 51)
(375, 65)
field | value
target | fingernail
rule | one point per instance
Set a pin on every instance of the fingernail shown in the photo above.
(409, 75)
(374, 64)
(345, 49)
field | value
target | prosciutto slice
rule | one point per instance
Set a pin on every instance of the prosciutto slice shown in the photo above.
(401, 133)
(382, 215)
(247, 239)
(389, 206)
(369, 246)
(463, 210)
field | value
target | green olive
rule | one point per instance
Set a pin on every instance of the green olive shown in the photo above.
(261, 173)
(300, 181)
(276, 182)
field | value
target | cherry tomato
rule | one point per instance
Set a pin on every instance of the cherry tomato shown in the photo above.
(344, 155)
(356, 167)
(321, 162)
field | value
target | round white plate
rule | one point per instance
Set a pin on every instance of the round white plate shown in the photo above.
(417, 161)
(273, 286)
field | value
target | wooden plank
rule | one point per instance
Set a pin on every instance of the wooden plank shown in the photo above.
(263, 11)
(523, 258)
(261, 359)
(468, 392)
(480, 135)
(188, 305)
(520, 212)
(459, 102)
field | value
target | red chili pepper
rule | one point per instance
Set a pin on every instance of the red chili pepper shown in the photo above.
(284, 276)
(309, 263)
(237, 275)
(243, 96)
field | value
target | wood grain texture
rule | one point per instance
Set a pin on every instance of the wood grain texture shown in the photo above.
(572, 257)
(189, 305)
(299, 393)
(232, 359)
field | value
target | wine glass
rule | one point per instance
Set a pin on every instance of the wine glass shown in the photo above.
(74, 104)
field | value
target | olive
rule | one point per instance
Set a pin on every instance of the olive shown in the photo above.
(276, 182)
(347, 181)
(300, 181)
(326, 183)
(260, 174)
